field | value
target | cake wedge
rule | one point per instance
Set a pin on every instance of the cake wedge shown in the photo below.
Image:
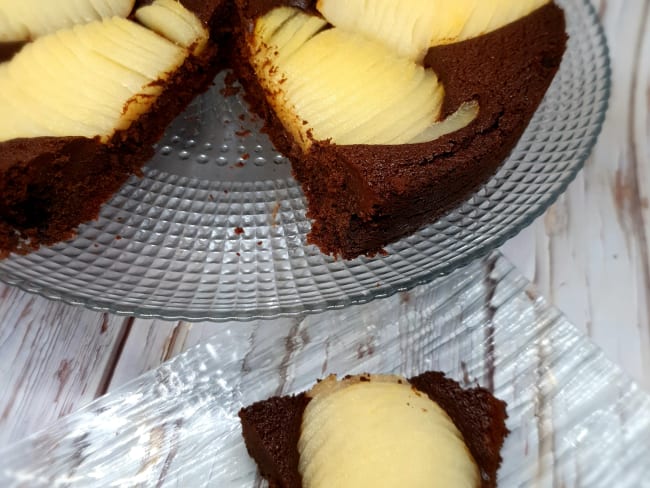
(84, 107)
(392, 117)
(380, 431)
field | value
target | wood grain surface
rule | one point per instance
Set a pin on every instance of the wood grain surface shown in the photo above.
(588, 255)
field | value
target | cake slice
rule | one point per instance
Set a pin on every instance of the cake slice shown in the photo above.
(391, 113)
(380, 431)
(84, 106)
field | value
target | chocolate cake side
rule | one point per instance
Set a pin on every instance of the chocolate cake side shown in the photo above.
(271, 428)
(50, 185)
(363, 197)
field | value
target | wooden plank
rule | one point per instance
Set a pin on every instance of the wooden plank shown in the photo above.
(152, 342)
(589, 253)
(54, 360)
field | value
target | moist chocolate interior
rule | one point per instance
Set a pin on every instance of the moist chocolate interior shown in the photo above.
(49, 185)
(271, 428)
(363, 197)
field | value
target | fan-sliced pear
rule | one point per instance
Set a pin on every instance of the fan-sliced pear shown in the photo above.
(380, 432)
(349, 81)
(174, 22)
(34, 65)
(91, 79)
(24, 20)
(272, 21)
(460, 119)
(332, 84)
(93, 37)
(410, 28)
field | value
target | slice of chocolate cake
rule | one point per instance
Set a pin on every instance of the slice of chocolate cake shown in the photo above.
(393, 113)
(29, 19)
(83, 107)
(378, 431)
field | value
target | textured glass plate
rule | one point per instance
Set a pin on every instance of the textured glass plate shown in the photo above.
(216, 228)
(575, 419)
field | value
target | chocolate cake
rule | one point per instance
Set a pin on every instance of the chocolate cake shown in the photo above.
(51, 184)
(363, 196)
(272, 428)
(485, 78)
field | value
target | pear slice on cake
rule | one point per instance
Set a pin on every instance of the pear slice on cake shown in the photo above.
(379, 431)
(355, 76)
(338, 82)
(174, 22)
(411, 29)
(331, 84)
(25, 20)
(94, 79)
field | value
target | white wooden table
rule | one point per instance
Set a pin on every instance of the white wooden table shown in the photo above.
(589, 255)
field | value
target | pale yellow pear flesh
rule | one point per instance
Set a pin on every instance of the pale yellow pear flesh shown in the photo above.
(383, 433)
(347, 81)
(331, 84)
(24, 20)
(458, 120)
(92, 79)
(174, 22)
(411, 27)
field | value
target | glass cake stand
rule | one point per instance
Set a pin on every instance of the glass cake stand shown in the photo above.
(216, 228)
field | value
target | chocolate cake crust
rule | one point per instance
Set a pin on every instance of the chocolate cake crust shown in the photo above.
(271, 428)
